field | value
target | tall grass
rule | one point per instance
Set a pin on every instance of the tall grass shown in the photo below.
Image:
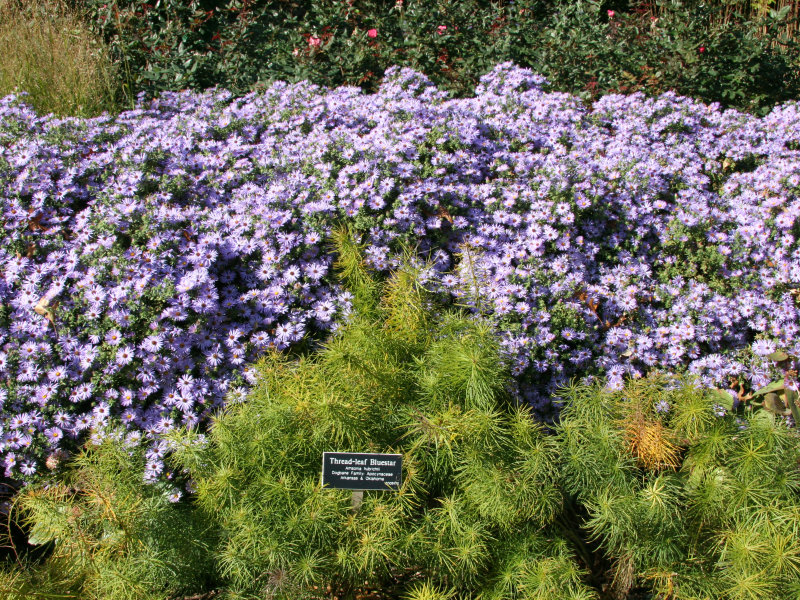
(48, 51)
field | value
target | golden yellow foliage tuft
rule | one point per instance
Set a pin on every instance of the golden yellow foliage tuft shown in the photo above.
(650, 442)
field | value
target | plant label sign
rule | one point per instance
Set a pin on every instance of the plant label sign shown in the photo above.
(362, 471)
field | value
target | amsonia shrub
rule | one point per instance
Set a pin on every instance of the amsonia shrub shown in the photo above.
(110, 535)
(680, 497)
(474, 515)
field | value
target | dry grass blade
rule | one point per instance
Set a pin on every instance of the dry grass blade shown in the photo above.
(49, 52)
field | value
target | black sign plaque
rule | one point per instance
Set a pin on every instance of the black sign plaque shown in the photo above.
(362, 471)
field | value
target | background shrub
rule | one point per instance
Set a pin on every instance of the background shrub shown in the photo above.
(740, 56)
(699, 49)
(50, 52)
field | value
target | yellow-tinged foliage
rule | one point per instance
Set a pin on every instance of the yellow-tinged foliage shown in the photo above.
(48, 52)
(650, 442)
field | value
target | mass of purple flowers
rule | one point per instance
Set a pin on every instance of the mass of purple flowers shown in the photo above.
(149, 258)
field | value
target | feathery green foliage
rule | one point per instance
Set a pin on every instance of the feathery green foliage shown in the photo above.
(650, 481)
(479, 496)
(113, 536)
(696, 505)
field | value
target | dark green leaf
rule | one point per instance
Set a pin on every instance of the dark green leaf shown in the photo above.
(772, 387)
(774, 404)
(722, 398)
(793, 399)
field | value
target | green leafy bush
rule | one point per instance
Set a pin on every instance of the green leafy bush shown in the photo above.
(475, 511)
(692, 504)
(236, 44)
(704, 50)
(111, 536)
(691, 48)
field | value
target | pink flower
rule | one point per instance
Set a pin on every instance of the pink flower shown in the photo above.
(611, 14)
(373, 33)
(702, 49)
(441, 29)
(314, 42)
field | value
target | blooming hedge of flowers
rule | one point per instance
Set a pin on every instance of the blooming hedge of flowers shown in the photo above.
(148, 258)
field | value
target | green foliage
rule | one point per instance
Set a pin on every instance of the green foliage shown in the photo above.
(694, 505)
(475, 513)
(704, 50)
(694, 48)
(660, 484)
(29, 581)
(112, 535)
(354, 272)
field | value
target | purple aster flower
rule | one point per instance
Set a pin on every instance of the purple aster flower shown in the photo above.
(28, 350)
(56, 374)
(61, 419)
(284, 332)
(214, 356)
(83, 422)
(184, 404)
(126, 397)
(53, 435)
(10, 461)
(28, 372)
(764, 347)
(83, 391)
(129, 416)
(113, 337)
(186, 384)
(125, 356)
(101, 412)
(152, 343)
